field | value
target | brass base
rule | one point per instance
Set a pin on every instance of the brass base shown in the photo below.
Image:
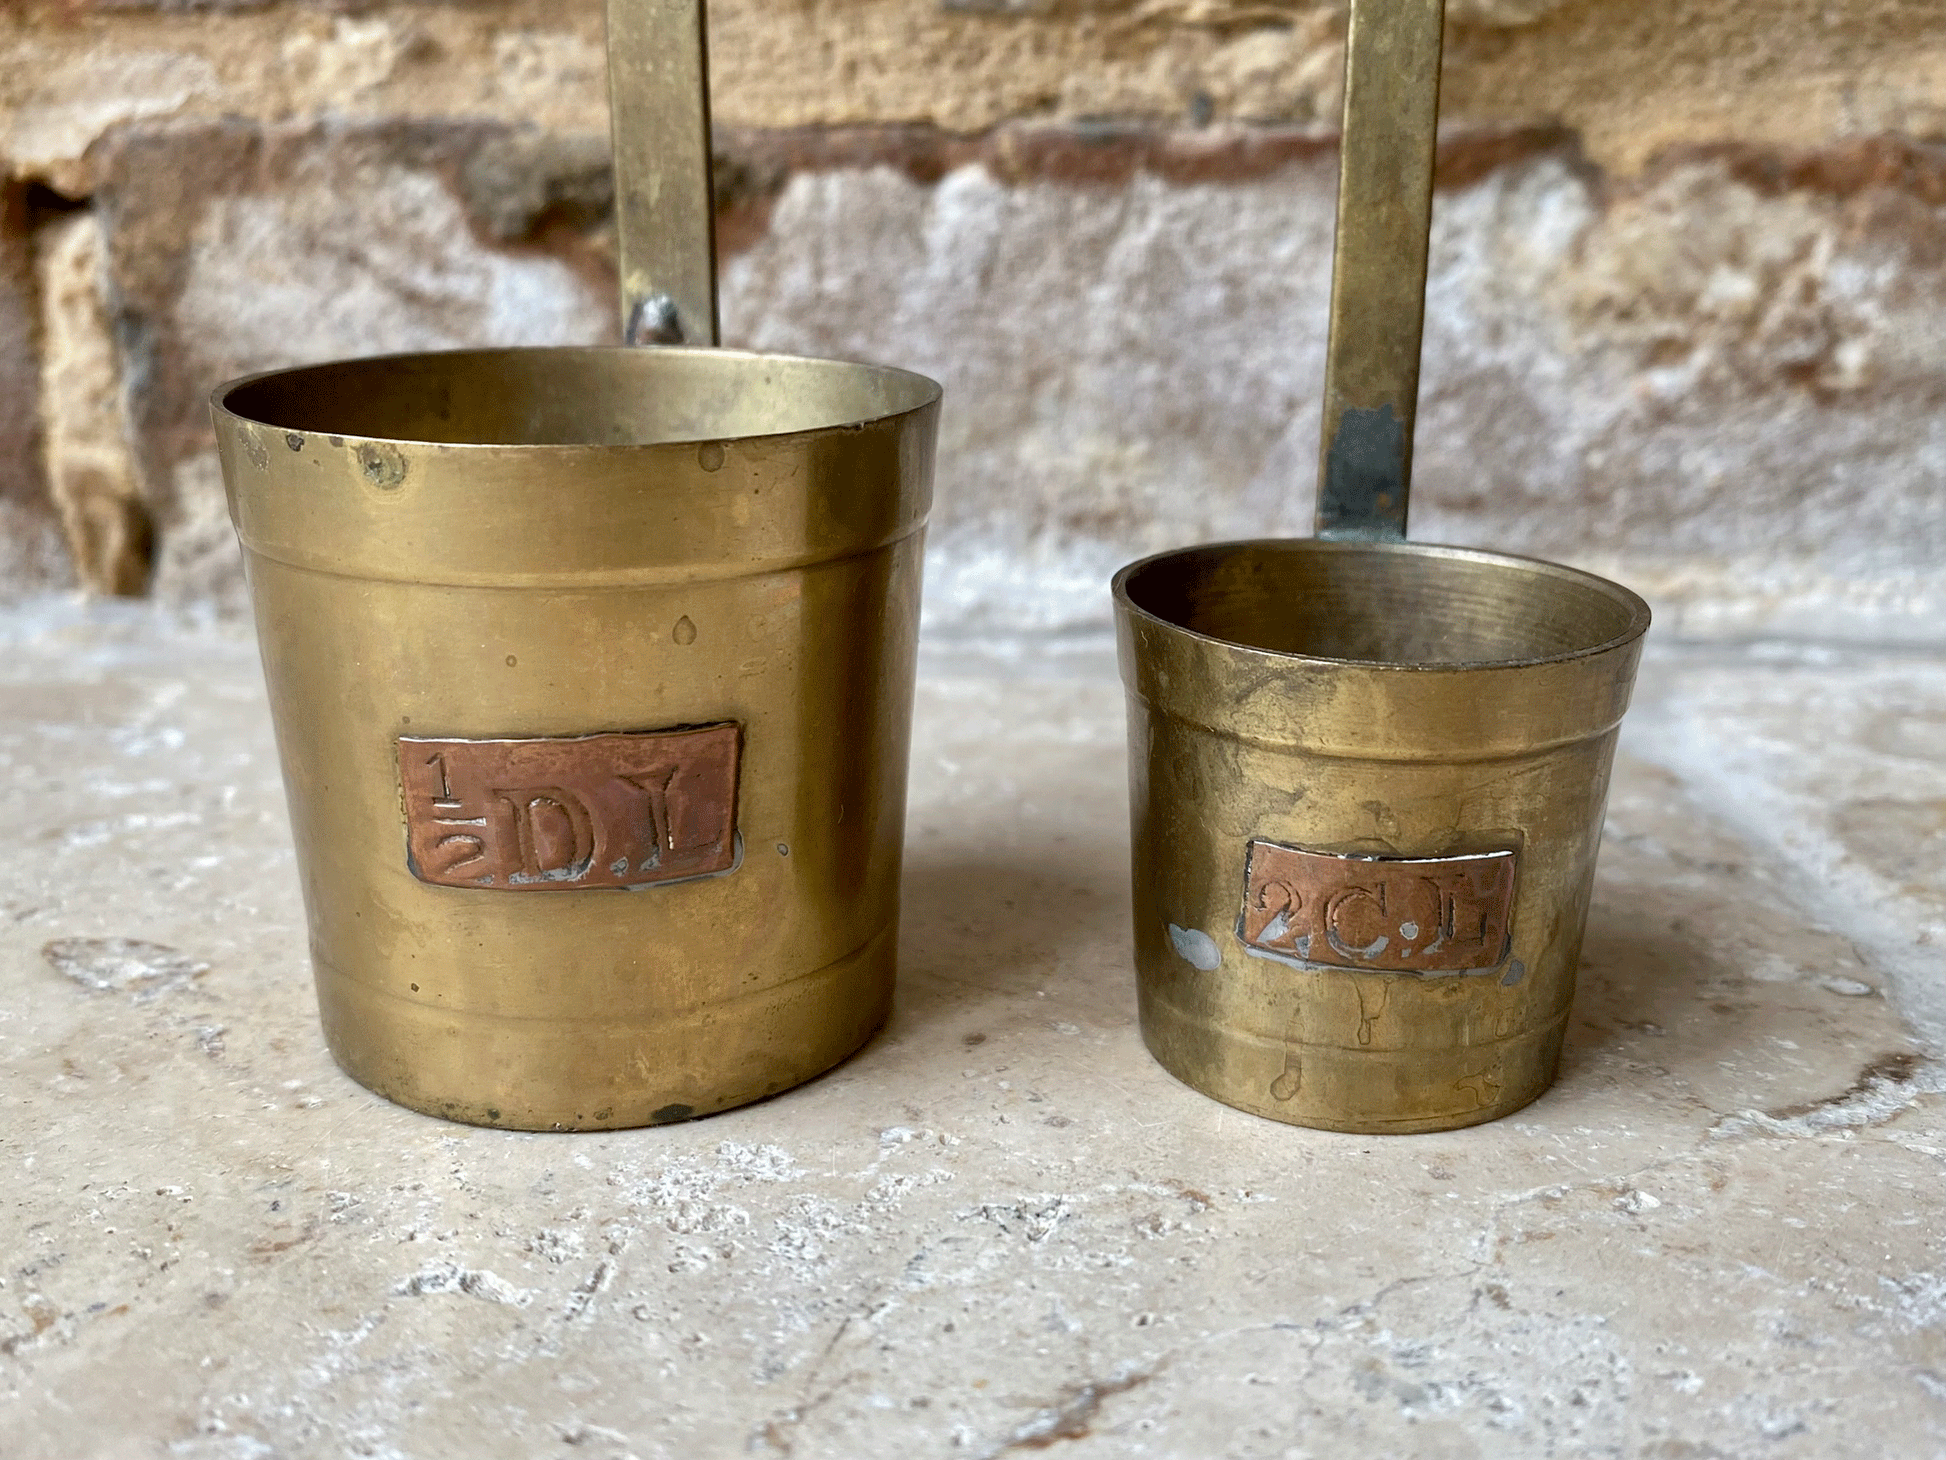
(597, 1074)
(1328, 1087)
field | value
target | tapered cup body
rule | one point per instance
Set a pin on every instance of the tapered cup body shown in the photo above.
(1367, 786)
(592, 674)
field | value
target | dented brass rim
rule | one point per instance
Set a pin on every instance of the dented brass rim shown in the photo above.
(1127, 583)
(913, 392)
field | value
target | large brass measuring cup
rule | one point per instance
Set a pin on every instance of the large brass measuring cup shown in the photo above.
(592, 679)
(1368, 778)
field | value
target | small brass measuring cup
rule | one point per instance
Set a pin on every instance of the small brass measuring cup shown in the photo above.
(592, 677)
(1368, 777)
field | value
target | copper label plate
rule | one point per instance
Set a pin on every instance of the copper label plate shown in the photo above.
(1387, 914)
(625, 810)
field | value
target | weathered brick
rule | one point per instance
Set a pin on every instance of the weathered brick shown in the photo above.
(233, 248)
(1727, 392)
(1631, 77)
(1685, 313)
(31, 553)
(1732, 360)
(90, 467)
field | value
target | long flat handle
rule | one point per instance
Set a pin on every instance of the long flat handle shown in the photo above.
(665, 204)
(1378, 283)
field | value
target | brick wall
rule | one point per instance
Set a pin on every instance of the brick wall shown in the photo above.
(1687, 319)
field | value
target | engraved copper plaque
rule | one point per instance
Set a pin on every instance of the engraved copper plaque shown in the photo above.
(548, 815)
(1389, 914)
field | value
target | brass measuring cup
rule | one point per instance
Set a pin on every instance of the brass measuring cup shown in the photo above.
(592, 677)
(1368, 777)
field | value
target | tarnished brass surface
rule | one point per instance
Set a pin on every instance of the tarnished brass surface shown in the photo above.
(1428, 731)
(665, 206)
(1378, 283)
(601, 601)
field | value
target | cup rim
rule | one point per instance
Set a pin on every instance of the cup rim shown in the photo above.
(928, 393)
(1640, 614)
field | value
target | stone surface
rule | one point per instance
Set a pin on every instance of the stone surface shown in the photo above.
(1000, 1229)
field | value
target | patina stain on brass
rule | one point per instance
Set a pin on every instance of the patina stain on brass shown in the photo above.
(591, 811)
(1388, 914)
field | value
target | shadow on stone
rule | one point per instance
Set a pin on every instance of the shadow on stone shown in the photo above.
(1647, 985)
(979, 933)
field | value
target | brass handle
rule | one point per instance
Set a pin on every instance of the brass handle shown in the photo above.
(1378, 282)
(665, 208)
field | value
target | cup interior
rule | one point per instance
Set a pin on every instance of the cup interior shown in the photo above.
(1403, 605)
(576, 397)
